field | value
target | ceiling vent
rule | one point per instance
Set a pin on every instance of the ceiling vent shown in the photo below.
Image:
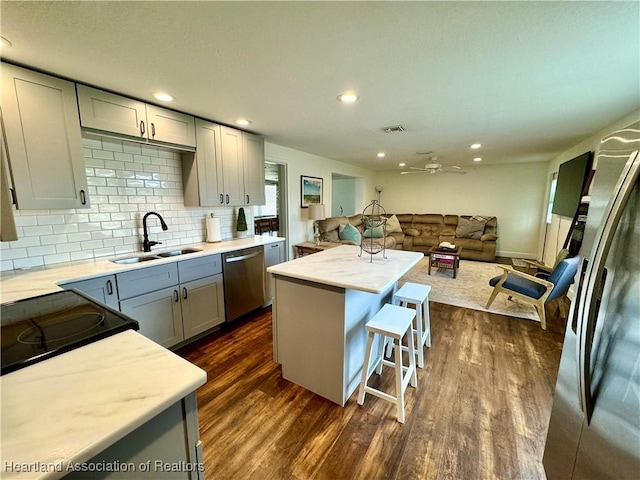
(394, 129)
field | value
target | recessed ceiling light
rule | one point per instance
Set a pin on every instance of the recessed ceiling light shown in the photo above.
(163, 97)
(402, 164)
(475, 146)
(381, 154)
(243, 122)
(4, 43)
(348, 97)
(477, 159)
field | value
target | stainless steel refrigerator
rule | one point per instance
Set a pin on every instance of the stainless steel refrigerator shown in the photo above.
(594, 430)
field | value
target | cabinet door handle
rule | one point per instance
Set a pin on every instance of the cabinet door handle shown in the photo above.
(109, 287)
(221, 199)
(227, 199)
(142, 127)
(153, 130)
(83, 197)
(184, 293)
(176, 296)
(13, 196)
(247, 199)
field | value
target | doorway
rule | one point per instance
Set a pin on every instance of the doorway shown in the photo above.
(344, 192)
(271, 218)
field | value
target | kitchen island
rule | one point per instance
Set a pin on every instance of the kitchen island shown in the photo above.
(321, 305)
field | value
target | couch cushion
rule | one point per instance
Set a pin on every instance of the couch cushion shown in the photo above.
(374, 232)
(469, 244)
(469, 229)
(412, 232)
(405, 217)
(521, 285)
(355, 220)
(429, 218)
(331, 223)
(350, 233)
(428, 241)
(393, 225)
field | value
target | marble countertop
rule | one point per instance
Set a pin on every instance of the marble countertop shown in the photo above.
(342, 267)
(19, 284)
(64, 410)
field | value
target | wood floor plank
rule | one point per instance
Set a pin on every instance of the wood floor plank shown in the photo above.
(480, 410)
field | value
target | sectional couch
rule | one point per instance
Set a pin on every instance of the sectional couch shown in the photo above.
(420, 232)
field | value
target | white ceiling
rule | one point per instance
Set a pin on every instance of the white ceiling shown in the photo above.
(526, 79)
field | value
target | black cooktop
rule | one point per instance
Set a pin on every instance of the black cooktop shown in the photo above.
(38, 328)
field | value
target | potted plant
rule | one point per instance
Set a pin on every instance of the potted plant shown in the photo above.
(241, 223)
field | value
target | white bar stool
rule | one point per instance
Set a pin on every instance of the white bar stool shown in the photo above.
(418, 295)
(392, 322)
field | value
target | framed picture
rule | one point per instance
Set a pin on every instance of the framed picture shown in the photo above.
(310, 190)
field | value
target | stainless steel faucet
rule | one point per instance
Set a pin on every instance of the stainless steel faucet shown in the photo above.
(146, 244)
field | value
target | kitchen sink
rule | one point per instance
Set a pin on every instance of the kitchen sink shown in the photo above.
(173, 253)
(128, 260)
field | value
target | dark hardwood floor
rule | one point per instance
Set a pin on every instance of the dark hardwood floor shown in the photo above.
(480, 410)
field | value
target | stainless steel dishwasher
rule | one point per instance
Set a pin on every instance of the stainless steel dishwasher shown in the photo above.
(243, 281)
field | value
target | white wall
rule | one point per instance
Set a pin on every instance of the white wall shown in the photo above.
(513, 193)
(300, 228)
(560, 225)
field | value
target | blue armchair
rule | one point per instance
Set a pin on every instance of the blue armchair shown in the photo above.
(535, 290)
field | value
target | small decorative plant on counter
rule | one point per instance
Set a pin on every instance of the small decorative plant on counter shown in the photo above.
(241, 224)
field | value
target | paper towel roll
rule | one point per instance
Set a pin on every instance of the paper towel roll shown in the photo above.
(213, 230)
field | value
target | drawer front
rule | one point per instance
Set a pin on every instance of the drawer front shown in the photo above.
(201, 267)
(145, 280)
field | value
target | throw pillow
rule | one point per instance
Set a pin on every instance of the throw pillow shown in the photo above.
(349, 233)
(374, 232)
(469, 229)
(489, 237)
(412, 232)
(393, 225)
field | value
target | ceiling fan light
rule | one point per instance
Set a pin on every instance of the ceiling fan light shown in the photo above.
(475, 146)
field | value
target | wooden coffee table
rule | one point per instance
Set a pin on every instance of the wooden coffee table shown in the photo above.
(445, 259)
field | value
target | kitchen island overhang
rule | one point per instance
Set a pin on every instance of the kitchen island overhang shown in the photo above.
(321, 305)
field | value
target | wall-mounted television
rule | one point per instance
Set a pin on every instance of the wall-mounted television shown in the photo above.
(572, 176)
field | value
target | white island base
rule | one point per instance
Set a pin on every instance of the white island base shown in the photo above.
(319, 326)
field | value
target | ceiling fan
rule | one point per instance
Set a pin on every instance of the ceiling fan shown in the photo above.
(434, 167)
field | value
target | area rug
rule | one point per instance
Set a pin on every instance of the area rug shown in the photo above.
(470, 289)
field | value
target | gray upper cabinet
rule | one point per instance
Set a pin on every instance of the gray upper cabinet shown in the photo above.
(106, 112)
(253, 164)
(227, 168)
(44, 143)
(232, 169)
(202, 171)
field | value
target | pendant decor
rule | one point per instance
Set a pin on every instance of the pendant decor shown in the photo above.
(374, 224)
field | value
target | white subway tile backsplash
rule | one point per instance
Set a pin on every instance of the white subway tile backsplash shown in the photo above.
(56, 258)
(126, 180)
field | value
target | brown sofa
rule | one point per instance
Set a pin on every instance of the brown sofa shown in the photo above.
(420, 232)
(423, 231)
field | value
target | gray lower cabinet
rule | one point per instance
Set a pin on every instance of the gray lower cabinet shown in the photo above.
(202, 305)
(175, 301)
(158, 314)
(166, 447)
(273, 255)
(102, 289)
